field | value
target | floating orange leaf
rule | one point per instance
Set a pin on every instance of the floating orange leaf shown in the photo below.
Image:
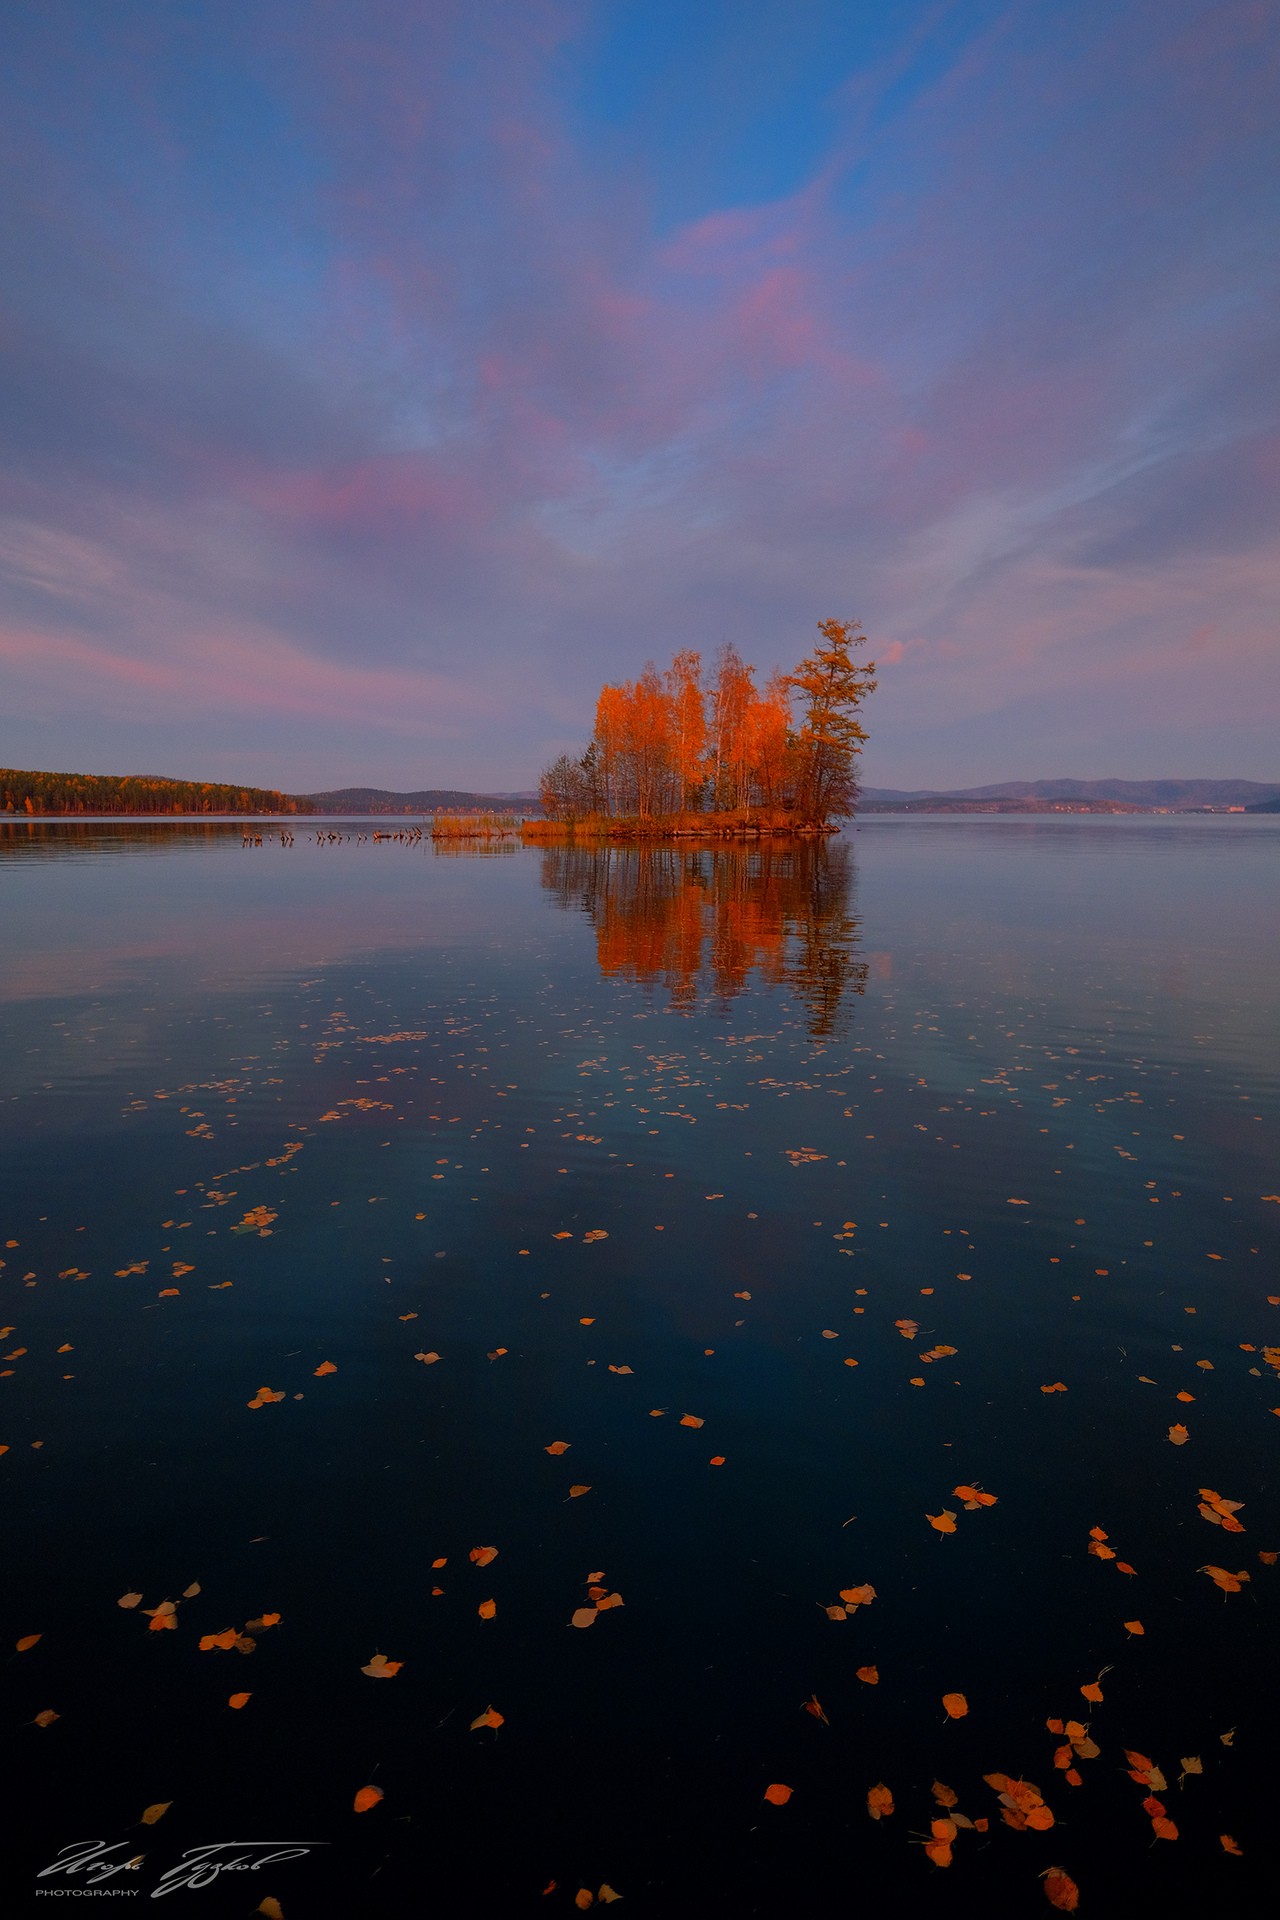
(1061, 1891)
(27, 1640)
(870, 1676)
(326, 1366)
(880, 1802)
(264, 1397)
(944, 1795)
(366, 1798)
(558, 1446)
(46, 1717)
(269, 1907)
(129, 1600)
(944, 1522)
(583, 1617)
(487, 1609)
(956, 1705)
(1179, 1435)
(481, 1556)
(777, 1795)
(691, 1420)
(427, 1359)
(974, 1497)
(938, 1848)
(155, 1812)
(1220, 1512)
(489, 1718)
(576, 1493)
(380, 1668)
(857, 1596)
(814, 1706)
(1021, 1803)
(1229, 1582)
(1092, 1691)
(1134, 1626)
(1057, 1387)
(239, 1700)
(1228, 1845)
(222, 1642)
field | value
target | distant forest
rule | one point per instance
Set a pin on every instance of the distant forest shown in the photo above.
(33, 793)
(88, 793)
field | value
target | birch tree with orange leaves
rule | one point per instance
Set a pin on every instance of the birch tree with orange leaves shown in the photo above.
(667, 744)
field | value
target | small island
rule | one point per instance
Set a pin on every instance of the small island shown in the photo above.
(673, 756)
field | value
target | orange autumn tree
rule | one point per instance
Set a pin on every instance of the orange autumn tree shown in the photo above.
(670, 745)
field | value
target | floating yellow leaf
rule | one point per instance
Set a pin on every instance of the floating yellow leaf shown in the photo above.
(156, 1812)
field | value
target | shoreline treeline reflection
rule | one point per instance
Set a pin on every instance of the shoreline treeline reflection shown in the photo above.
(702, 920)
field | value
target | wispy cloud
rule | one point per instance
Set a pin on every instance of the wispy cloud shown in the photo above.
(358, 376)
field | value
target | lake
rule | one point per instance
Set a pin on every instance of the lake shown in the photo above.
(620, 1255)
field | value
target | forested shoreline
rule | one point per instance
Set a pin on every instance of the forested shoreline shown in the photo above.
(30, 793)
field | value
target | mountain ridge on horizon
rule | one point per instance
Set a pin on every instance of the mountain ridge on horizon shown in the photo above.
(1177, 794)
(58, 795)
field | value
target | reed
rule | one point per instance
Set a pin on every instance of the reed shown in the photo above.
(474, 826)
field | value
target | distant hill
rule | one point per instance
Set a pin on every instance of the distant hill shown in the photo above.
(1264, 806)
(1178, 795)
(426, 800)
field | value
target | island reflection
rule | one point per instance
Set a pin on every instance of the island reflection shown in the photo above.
(702, 920)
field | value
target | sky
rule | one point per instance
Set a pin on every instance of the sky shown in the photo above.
(379, 377)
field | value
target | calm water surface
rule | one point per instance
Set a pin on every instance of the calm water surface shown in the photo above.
(793, 1190)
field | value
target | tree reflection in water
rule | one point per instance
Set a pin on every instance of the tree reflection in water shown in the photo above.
(701, 919)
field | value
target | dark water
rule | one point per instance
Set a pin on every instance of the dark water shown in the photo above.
(982, 1107)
